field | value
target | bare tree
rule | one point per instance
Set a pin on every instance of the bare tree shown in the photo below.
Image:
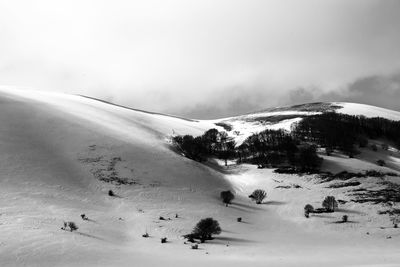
(258, 195)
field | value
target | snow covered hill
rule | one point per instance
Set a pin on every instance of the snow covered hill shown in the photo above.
(61, 154)
(241, 127)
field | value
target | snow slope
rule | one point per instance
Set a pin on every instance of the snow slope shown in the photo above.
(57, 152)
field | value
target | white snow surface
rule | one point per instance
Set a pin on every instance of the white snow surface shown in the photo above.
(367, 111)
(56, 148)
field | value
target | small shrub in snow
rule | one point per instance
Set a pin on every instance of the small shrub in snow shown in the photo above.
(84, 217)
(195, 246)
(227, 197)
(330, 203)
(307, 210)
(239, 219)
(345, 218)
(111, 193)
(145, 235)
(395, 220)
(258, 195)
(163, 240)
(72, 226)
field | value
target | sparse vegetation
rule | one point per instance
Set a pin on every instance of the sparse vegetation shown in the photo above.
(258, 196)
(71, 226)
(395, 218)
(227, 197)
(145, 235)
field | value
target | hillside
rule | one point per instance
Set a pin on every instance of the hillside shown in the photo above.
(61, 154)
(241, 127)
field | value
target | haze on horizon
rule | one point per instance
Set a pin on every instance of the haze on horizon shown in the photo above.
(205, 59)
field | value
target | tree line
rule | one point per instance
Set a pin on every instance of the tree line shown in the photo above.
(345, 132)
(296, 149)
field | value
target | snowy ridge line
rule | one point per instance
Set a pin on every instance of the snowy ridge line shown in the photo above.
(138, 110)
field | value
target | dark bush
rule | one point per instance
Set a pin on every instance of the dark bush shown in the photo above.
(345, 218)
(381, 162)
(258, 195)
(307, 210)
(111, 193)
(227, 197)
(204, 229)
(72, 226)
(163, 240)
(330, 204)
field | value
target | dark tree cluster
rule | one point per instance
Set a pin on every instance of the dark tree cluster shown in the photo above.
(343, 132)
(269, 148)
(275, 148)
(211, 143)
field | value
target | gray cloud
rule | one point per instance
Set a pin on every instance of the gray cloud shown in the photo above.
(198, 58)
(377, 90)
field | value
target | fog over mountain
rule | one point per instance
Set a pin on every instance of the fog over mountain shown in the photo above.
(204, 59)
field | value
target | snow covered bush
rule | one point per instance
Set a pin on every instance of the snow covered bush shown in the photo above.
(227, 197)
(258, 195)
(330, 203)
(204, 229)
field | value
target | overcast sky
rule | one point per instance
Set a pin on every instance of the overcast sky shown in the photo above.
(205, 59)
